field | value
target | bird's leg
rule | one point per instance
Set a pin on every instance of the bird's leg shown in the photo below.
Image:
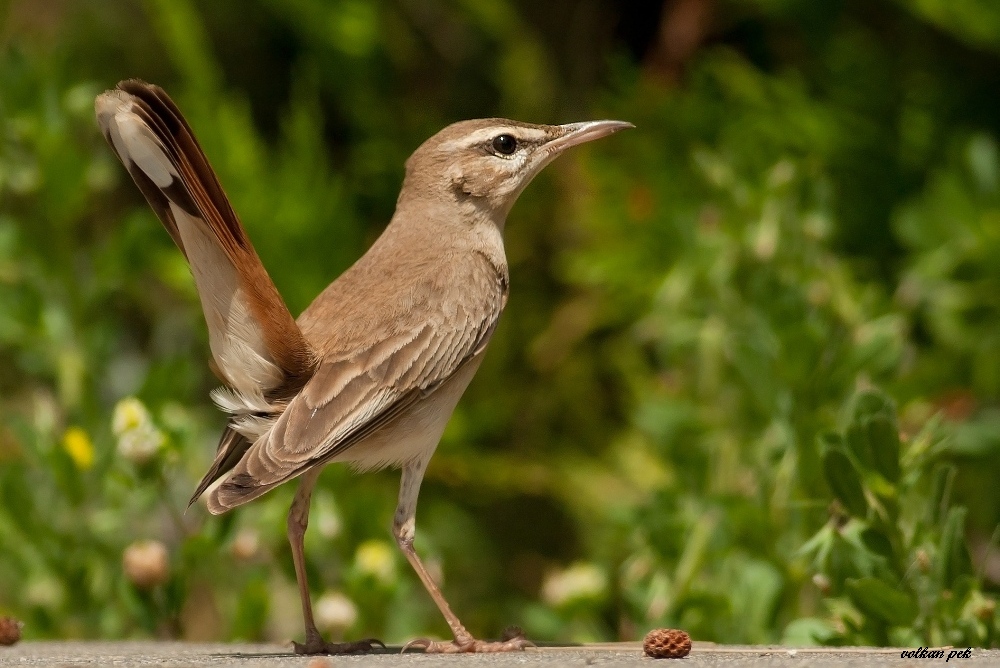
(404, 529)
(298, 520)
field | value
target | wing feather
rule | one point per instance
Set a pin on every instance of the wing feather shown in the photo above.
(347, 400)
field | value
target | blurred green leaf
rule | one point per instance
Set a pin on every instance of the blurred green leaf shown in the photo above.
(877, 598)
(953, 559)
(883, 437)
(877, 542)
(873, 434)
(845, 481)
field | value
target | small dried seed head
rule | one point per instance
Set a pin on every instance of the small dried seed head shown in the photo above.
(822, 583)
(246, 545)
(667, 644)
(146, 563)
(985, 609)
(923, 561)
(10, 630)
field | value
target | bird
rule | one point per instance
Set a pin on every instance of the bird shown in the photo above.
(370, 373)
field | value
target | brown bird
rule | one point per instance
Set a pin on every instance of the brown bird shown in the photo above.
(370, 373)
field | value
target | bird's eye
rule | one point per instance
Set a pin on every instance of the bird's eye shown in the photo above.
(504, 144)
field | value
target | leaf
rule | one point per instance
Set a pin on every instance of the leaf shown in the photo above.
(818, 547)
(870, 403)
(829, 439)
(883, 442)
(944, 478)
(877, 542)
(878, 599)
(979, 437)
(872, 434)
(953, 558)
(808, 631)
(857, 442)
(845, 482)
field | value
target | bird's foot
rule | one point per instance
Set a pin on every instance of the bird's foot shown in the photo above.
(320, 646)
(513, 641)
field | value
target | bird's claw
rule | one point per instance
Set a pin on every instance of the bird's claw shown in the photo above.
(320, 646)
(470, 646)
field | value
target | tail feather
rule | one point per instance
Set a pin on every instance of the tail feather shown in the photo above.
(257, 348)
(250, 326)
(232, 446)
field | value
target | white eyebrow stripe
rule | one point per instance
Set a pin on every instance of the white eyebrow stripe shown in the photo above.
(484, 135)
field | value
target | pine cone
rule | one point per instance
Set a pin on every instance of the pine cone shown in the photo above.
(10, 630)
(667, 644)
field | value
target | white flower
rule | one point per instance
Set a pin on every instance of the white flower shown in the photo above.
(579, 581)
(130, 414)
(138, 438)
(335, 612)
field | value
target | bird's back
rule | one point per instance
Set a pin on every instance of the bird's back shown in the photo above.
(407, 278)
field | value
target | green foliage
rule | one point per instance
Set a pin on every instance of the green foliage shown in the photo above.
(746, 385)
(891, 562)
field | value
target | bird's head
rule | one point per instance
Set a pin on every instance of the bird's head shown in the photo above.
(486, 163)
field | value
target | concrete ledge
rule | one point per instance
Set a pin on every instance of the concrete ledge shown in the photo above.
(189, 655)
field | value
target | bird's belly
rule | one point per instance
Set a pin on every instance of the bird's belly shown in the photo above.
(416, 431)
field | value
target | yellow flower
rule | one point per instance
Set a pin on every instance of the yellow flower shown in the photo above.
(375, 557)
(77, 445)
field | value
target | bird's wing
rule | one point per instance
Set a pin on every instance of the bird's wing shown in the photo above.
(257, 348)
(348, 399)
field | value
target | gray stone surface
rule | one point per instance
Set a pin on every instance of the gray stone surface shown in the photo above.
(189, 655)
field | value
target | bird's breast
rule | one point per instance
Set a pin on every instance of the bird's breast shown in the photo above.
(416, 431)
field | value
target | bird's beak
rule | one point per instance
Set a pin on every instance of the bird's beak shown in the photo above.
(578, 133)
